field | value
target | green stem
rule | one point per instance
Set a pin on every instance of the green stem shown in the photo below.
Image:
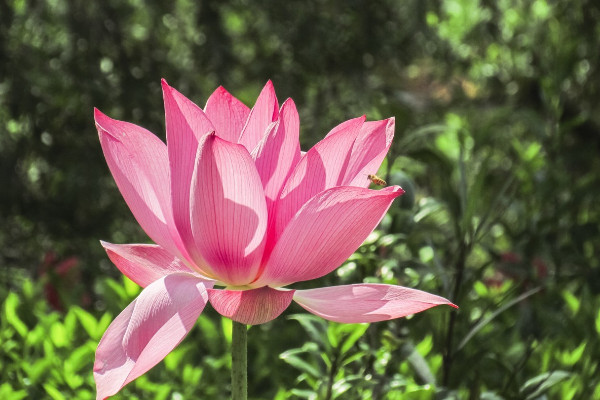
(239, 362)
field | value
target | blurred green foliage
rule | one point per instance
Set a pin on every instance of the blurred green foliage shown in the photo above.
(497, 144)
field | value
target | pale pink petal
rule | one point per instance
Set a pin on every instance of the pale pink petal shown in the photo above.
(227, 114)
(228, 209)
(144, 263)
(250, 307)
(366, 302)
(147, 330)
(265, 111)
(368, 152)
(322, 167)
(325, 232)
(139, 164)
(186, 124)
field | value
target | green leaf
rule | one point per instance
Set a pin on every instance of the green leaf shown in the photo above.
(569, 358)
(53, 392)
(354, 357)
(494, 314)
(572, 301)
(131, 288)
(58, 334)
(300, 364)
(315, 327)
(537, 386)
(81, 357)
(8, 393)
(103, 323)
(357, 331)
(10, 310)
(226, 326)
(598, 322)
(425, 345)
(88, 322)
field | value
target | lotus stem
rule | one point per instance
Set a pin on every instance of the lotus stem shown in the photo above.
(239, 362)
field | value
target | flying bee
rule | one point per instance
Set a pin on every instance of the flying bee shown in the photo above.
(377, 180)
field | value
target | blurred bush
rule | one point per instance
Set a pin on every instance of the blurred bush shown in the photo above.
(497, 143)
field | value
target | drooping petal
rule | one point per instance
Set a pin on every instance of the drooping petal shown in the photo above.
(322, 167)
(228, 209)
(265, 111)
(368, 152)
(144, 263)
(186, 123)
(227, 114)
(366, 302)
(139, 164)
(147, 330)
(325, 232)
(251, 307)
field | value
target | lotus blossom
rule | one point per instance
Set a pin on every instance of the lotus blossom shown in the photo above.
(238, 213)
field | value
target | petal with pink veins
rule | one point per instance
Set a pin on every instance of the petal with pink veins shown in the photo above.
(227, 114)
(228, 210)
(279, 151)
(265, 111)
(366, 302)
(144, 263)
(186, 124)
(250, 307)
(322, 167)
(147, 330)
(368, 152)
(325, 232)
(139, 164)
(275, 157)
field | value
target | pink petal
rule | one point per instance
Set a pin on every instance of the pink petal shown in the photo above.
(325, 232)
(279, 151)
(322, 167)
(227, 114)
(144, 263)
(138, 162)
(251, 307)
(366, 302)
(147, 330)
(368, 152)
(229, 212)
(265, 111)
(186, 124)
(277, 154)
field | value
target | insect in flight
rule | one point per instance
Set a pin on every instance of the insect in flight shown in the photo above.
(377, 180)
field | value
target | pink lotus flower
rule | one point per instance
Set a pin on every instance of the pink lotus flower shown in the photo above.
(232, 202)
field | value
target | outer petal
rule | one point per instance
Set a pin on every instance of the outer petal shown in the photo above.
(325, 232)
(251, 307)
(227, 114)
(229, 212)
(322, 167)
(144, 263)
(368, 152)
(138, 161)
(366, 302)
(265, 111)
(186, 124)
(147, 330)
